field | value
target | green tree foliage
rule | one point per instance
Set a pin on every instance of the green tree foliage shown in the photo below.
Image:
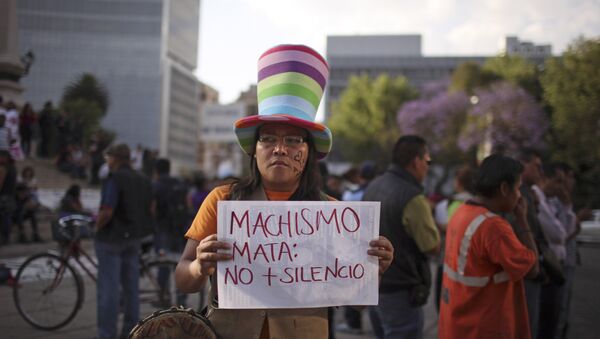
(363, 121)
(572, 89)
(84, 117)
(470, 75)
(517, 71)
(87, 87)
(85, 102)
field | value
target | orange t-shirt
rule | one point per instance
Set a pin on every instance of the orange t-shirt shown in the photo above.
(496, 310)
(205, 222)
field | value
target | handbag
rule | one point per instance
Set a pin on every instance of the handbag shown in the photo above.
(551, 265)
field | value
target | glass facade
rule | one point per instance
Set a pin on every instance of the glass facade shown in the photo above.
(121, 43)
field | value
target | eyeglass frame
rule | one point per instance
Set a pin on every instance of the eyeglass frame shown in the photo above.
(283, 138)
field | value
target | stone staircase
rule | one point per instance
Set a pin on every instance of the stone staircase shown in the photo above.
(48, 176)
(52, 184)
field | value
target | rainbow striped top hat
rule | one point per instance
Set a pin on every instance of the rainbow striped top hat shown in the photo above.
(291, 81)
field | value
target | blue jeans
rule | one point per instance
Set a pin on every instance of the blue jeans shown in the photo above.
(399, 319)
(533, 289)
(118, 271)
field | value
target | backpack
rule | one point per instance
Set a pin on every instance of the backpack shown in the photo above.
(177, 209)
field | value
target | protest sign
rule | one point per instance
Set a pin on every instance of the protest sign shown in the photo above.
(297, 254)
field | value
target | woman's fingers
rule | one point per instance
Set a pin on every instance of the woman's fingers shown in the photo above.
(382, 248)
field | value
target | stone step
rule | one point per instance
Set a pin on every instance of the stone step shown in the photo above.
(48, 176)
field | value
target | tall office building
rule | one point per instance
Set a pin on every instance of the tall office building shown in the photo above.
(144, 52)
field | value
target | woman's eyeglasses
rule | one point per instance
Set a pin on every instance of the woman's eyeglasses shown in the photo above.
(274, 140)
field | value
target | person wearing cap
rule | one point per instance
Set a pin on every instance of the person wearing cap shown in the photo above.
(125, 216)
(284, 144)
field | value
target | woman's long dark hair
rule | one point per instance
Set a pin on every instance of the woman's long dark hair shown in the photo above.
(309, 188)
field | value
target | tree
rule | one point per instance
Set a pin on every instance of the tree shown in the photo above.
(438, 116)
(572, 89)
(84, 117)
(516, 70)
(505, 115)
(87, 87)
(363, 120)
(85, 102)
(470, 75)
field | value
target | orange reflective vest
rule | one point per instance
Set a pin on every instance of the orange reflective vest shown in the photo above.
(482, 287)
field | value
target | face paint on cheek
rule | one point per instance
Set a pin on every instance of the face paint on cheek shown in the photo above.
(298, 164)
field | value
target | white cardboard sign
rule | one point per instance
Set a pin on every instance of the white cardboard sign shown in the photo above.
(297, 254)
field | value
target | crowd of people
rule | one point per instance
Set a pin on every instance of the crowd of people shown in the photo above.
(504, 239)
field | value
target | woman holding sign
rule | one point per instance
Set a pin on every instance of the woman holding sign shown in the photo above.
(284, 144)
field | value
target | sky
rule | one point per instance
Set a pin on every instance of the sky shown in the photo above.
(234, 33)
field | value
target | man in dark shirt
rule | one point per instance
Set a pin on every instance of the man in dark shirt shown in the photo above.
(172, 221)
(406, 220)
(125, 216)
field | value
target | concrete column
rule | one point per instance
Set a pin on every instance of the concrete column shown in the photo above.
(11, 68)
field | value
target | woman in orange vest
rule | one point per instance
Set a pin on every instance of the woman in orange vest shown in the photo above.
(487, 259)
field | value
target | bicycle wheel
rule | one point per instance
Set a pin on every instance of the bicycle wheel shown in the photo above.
(47, 292)
(157, 283)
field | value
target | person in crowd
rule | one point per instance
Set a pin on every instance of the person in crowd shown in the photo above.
(27, 121)
(46, 128)
(148, 160)
(137, 157)
(559, 225)
(559, 190)
(406, 220)
(26, 209)
(5, 135)
(444, 210)
(532, 174)
(284, 144)
(71, 202)
(125, 216)
(12, 123)
(487, 258)
(172, 219)
(96, 160)
(353, 316)
(8, 182)
(198, 193)
(334, 186)
(63, 129)
(366, 173)
(80, 162)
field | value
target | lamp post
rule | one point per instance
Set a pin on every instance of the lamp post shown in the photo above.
(485, 148)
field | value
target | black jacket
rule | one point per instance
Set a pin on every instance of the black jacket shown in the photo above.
(394, 189)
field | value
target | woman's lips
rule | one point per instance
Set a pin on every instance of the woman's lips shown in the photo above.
(279, 163)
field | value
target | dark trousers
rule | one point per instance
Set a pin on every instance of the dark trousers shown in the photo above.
(550, 302)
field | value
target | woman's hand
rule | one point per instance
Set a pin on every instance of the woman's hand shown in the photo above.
(384, 251)
(207, 255)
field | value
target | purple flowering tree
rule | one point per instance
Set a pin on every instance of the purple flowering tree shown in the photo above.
(504, 115)
(438, 116)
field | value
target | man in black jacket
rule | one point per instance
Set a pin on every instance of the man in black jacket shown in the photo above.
(125, 216)
(406, 220)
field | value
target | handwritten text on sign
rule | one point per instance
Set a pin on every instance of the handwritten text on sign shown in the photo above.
(295, 254)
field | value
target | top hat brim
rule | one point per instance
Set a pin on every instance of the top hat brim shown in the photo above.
(246, 131)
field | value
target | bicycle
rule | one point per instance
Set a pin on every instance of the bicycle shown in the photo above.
(49, 291)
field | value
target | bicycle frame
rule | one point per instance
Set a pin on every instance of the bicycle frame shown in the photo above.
(75, 251)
